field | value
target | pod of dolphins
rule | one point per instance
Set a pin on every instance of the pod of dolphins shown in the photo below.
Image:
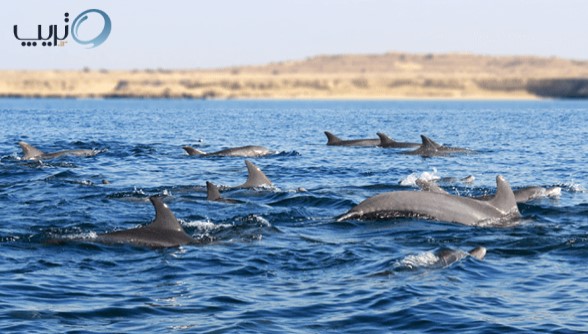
(432, 202)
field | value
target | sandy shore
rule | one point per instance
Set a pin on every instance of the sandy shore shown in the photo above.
(385, 76)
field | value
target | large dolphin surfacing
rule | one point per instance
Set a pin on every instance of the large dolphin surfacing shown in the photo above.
(498, 211)
(165, 231)
(32, 153)
(333, 140)
(242, 151)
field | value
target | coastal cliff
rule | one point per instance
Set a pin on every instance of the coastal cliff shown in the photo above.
(390, 75)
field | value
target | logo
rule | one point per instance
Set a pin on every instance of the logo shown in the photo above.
(51, 36)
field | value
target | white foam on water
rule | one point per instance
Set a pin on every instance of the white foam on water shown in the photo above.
(204, 225)
(411, 179)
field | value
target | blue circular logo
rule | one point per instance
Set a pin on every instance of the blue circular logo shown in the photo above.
(94, 42)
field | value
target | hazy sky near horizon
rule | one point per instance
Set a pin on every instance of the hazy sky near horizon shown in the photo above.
(205, 34)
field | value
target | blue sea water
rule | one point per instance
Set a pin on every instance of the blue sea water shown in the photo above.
(279, 262)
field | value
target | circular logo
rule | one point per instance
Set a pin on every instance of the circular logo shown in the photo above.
(94, 42)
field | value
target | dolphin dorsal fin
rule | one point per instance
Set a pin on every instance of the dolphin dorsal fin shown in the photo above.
(478, 252)
(332, 139)
(29, 151)
(428, 143)
(192, 151)
(504, 199)
(384, 139)
(164, 217)
(212, 192)
(256, 177)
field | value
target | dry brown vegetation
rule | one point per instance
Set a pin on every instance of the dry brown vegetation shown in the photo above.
(390, 75)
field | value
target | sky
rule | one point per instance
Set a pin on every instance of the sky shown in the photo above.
(183, 34)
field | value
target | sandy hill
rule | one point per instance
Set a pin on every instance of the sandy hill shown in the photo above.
(390, 75)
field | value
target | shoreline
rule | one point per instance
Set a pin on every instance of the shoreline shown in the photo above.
(393, 76)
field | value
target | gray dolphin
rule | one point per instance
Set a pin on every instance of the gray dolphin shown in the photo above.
(255, 177)
(500, 210)
(527, 194)
(165, 231)
(448, 256)
(243, 151)
(333, 140)
(387, 142)
(213, 194)
(32, 153)
(429, 148)
(522, 195)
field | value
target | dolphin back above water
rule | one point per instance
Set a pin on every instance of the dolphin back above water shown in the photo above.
(498, 211)
(243, 151)
(333, 140)
(32, 153)
(448, 256)
(429, 148)
(213, 194)
(255, 177)
(387, 142)
(522, 195)
(165, 231)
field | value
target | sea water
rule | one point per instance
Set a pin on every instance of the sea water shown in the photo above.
(279, 262)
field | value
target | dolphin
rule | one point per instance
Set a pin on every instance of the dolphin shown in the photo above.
(243, 151)
(448, 256)
(522, 195)
(388, 142)
(255, 177)
(429, 148)
(165, 231)
(213, 194)
(499, 211)
(32, 153)
(336, 141)
(527, 194)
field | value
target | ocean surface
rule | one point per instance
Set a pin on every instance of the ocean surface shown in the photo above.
(279, 262)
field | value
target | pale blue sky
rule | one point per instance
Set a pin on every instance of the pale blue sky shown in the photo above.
(204, 34)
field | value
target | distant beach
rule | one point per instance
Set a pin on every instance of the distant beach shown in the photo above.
(380, 76)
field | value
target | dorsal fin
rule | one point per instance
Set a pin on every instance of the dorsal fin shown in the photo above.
(164, 217)
(478, 252)
(192, 151)
(504, 199)
(384, 139)
(29, 152)
(255, 176)
(332, 139)
(434, 143)
(212, 192)
(428, 143)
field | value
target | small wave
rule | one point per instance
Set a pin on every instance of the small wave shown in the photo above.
(411, 179)
(572, 187)
(286, 154)
(137, 195)
(204, 225)
(256, 220)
